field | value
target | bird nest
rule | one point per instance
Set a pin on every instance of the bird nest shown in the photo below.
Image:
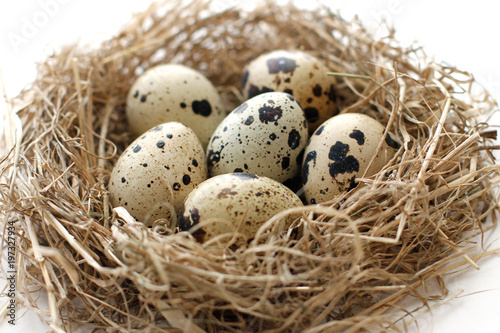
(358, 256)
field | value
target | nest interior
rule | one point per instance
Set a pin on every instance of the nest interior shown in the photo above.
(359, 254)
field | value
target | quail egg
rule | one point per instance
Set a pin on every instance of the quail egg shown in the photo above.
(299, 74)
(339, 151)
(173, 92)
(157, 171)
(266, 135)
(240, 202)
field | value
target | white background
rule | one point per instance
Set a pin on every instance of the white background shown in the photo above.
(463, 33)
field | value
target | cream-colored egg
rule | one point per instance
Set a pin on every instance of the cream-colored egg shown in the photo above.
(157, 171)
(266, 135)
(172, 92)
(339, 151)
(239, 202)
(299, 74)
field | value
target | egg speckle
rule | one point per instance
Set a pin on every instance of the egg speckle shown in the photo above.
(172, 92)
(339, 151)
(298, 74)
(240, 202)
(169, 156)
(266, 135)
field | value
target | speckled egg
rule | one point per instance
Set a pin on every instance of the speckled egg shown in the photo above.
(299, 74)
(172, 92)
(157, 171)
(266, 135)
(240, 202)
(339, 151)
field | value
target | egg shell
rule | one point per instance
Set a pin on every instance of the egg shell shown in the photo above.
(299, 74)
(339, 151)
(157, 171)
(236, 201)
(173, 92)
(266, 135)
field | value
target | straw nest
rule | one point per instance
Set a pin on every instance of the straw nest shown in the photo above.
(359, 255)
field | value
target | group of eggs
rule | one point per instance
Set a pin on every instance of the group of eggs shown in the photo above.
(231, 171)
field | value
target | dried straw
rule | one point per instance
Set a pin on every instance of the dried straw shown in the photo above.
(359, 255)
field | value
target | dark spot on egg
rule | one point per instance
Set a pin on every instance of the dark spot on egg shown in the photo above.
(293, 139)
(241, 108)
(245, 176)
(169, 136)
(137, 149)
(272, 136)
(254, 90)
(287, 80)
(194, 162)
(358, 136)
(145, 165)
(281, 64)
(249, 121)
(342, 163)
(144, 98)
(238, 170)
(311, 114)
(285, 163)
(160, 144)
(224, 129)
(202, 107)
(352, 183)
(288, 91)
(123, 180)
(186, 179)
(187, 222)
(225, 192)
(183, 105)
(157, 128)
(391, 142)
(311, 156)
(176, 186)
(317, 90)
(312, 201)
(269, 113)
(244, 78)
(213, 157)
(332, 96)
(319, 130)
(136, 94)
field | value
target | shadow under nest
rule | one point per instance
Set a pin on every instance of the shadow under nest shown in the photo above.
(359, 254)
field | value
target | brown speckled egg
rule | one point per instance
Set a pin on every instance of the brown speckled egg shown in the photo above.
(339, 151)
(157, 171)
(240, 202)
(266, 135)
(172, 92)
(299, 74)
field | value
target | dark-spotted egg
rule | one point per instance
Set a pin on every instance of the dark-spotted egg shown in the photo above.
(237, 202)
(299, 74)
(339, 151)
(172, 92)
(266, 135)
(157, 171)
